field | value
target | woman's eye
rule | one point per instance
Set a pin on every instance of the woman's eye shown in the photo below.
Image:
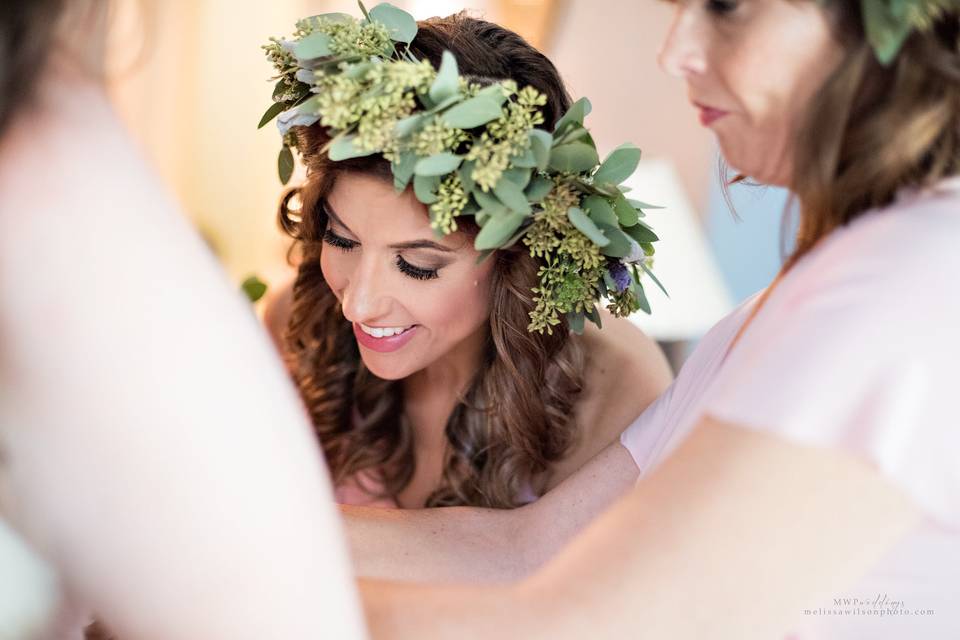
(339, 242)
(417, 273)
(722, 7)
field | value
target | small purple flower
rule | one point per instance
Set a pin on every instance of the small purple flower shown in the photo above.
(619, 274)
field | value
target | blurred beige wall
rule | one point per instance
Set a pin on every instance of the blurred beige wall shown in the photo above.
(607, 51)
(195, 96)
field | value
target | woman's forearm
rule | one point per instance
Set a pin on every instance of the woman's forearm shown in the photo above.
(457, 544)
(464, 544)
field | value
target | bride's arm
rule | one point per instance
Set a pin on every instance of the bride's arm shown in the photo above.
(465, 544)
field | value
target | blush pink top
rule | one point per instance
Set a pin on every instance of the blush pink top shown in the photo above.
(856, 349)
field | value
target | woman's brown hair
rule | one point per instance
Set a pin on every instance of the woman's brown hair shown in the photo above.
(27, 29)
(515, 418)
(874, 130)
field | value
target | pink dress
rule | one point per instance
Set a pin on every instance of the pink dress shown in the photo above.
(856, 349)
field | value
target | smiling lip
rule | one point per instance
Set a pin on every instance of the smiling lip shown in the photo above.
(383, 345)
(709, 115)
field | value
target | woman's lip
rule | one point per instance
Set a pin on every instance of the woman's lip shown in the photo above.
(383, 345)
(709, 115)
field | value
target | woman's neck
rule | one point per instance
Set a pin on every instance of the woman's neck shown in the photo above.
(431, 394)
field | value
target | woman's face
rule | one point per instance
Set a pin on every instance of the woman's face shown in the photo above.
(413, 298)
(752, 68)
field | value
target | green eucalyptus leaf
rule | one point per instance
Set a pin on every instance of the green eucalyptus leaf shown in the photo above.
(466, 175)
(608, 282)
(494, 92)
(275, 109)
(619, 246)
(486, 253)
(497, 230)
(408, 125)
(593, 315)
(626, 214)
(446, 102)
(357, 70)
(575, 157)
(400, 24)
(472, 113)
(886, 30)
(600, 210)
(363, 10)
(254, 288)
(538, 188)
(586, 226)
(540, 143)
(425, 188)
(641, 296)
(285, 164)
(315, 45)
(516, 237)
(641, 233)
(342, 148)
(470, 209)
(403, 170)
(439, 164)
(526, 160)
(519, 177)
(280, 89)
(482, 216)
(572, 134)
(576, 322)
(574, 115)
(619, 165)
(647, 270)
(510, 194)
(489, 203)
(642, 205)
(447, 82)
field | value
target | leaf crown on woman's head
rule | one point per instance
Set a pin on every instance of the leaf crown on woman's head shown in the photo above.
(473, 148)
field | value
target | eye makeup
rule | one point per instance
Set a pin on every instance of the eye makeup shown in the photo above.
(406, 268)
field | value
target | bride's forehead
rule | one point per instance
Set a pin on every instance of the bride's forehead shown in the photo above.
(370, 206)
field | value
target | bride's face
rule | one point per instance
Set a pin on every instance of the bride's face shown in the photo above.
(412, 297)
(752, 68)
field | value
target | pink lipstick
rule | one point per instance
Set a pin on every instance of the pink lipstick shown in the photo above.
(385, 344)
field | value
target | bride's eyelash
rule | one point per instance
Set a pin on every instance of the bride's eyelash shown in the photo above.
(339, 242)
(722, 7)
(412, 271)
(417, 273)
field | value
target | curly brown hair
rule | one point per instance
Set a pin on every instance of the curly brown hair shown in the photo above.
(516, 417)
(872, 129)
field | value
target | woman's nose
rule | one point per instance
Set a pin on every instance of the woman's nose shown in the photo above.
(682, 53)
(365, 297)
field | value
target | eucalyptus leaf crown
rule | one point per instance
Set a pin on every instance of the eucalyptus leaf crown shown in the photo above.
(471, 148)
(888, 23)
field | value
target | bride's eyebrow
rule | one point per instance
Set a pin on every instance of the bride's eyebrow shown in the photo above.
(410, 244)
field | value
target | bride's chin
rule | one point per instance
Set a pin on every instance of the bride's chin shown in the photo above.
(385, 371)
